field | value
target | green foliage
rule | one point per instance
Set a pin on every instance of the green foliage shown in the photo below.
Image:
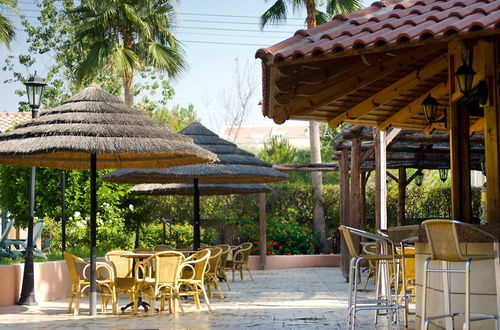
(284, 236)
(278, 151)
(7, 32)
(152, 235)
(126, 36)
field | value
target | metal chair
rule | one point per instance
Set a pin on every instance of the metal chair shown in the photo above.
(384, 299)
(444, 245)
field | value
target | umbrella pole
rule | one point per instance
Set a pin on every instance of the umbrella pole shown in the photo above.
(196, 215)
(63, 211)
(93, 234)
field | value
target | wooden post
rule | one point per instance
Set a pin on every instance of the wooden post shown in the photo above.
(354, 213)
(401, 196)
(380, 179)
(364, 179)
(485, 52)
(344, 209)
(262, 230)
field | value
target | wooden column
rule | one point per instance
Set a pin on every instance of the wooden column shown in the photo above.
(401, 196)
(344, 209)
(485, 52)
(355, 193)
(262, 230)
(364, 180)
(380, 179)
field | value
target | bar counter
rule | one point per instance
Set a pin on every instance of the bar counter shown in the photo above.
(485, 295)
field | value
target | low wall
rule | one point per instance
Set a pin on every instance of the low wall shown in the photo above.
(52, 280)
(295, 261)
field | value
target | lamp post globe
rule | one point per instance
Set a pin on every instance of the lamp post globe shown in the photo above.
(419, 178)
(35, 86)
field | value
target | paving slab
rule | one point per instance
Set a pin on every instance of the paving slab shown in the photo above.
(300, 298)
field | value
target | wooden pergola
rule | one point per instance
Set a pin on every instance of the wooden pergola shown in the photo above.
(376, 67)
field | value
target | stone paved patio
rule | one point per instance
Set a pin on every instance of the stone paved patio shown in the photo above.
(303, 298)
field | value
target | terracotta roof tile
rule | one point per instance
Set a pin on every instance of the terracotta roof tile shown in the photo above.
(389, 22)
(11, 119)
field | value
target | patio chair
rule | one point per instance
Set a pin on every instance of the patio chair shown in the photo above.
(124, 278)
(5, 242)
(384, 300)
(444, 245)
(21, 245)
(80, 283)
(165, 283)
(240, 260)
(370, 248)
(211, 273)
(193, 277)
(142, 250)
(221, 270)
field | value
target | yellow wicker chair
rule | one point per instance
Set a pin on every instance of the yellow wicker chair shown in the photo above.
(125, 282)
(142, 250)
(165, 283)
(193, 277)
(211, 273)
(240, 260)
(370, 248)
(80, 283)
(221, 270)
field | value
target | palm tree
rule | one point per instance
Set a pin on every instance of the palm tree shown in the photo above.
(277, 14)
(7, 32)
(127, 36)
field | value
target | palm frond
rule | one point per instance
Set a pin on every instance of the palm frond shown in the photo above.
(276, 14)
(322, 17)
(165, 58)
(141, 26)
(7, 31)
(334, 7)
(125, 61)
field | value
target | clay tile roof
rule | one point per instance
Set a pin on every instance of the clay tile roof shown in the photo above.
(388, 23)
(11, 119)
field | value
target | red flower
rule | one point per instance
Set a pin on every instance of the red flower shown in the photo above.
(268, 252)
(288, 254)
(270, 244)
(311, 246)
(280, 248)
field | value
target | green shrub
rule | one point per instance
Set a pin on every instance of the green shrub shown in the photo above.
(284, 236)
(152, 235)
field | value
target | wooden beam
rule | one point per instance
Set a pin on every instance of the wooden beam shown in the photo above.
(413, 176)
(427, 71)
(354, 214)
(392, 176)
(367, 154)
(345, 83)
(414, 107)
(390, 137)
(478, 126)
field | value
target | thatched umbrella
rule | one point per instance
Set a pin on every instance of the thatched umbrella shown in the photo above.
(234, 166)
(93, 129)
(205, 189)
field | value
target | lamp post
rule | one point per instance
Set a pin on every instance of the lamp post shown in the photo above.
(35, 87)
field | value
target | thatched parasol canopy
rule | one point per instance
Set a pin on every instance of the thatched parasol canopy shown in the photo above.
(94, 121)
(234, 165)
(205, 189)
(95, 130)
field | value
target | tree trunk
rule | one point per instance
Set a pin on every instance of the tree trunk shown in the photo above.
(128, 77)
(319, 222)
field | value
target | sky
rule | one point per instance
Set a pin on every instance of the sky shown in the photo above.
(217, 35)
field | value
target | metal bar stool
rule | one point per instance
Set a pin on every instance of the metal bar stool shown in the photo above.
(384, 300)
(444, 245)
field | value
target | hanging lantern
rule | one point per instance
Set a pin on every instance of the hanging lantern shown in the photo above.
(429, 108)
(483, 166)
(419, 178)
(465, 76)
(443, 174)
